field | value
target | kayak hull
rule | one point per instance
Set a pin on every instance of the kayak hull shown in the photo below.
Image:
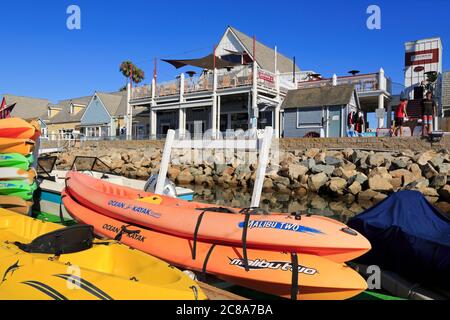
(16, 204)
(305, 234)
(17, 128)
(15, 160)
(270, 272)
(107, 271)
(21, 146)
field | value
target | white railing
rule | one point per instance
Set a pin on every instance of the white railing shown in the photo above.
(363, 83)
(142, 92)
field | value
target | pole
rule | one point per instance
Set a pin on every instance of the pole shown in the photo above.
(262, 164)
(165, 162)
(293, 70)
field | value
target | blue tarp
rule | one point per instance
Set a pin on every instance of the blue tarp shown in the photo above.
(409, 236)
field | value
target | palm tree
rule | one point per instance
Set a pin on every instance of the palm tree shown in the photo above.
(127, 68)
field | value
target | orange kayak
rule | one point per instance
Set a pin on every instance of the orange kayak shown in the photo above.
(18, 129)
(276, 232)
(269, 272)
(21, 146)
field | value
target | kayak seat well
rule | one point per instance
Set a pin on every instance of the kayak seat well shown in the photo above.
(63, 241)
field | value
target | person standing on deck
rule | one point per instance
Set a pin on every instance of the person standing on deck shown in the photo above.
(400, 115)
(428, 112)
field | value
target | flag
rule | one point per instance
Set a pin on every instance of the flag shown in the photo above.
(3, 105)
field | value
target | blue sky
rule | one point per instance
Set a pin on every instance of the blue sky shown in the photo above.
(40, 57)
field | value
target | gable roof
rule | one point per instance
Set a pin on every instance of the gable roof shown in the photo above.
(115, 102)
(319, 96)
(27, 107)
(265, 56)
(64, 116)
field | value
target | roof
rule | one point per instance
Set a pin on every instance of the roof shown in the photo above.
(115, 102)
(319, 96)
(64, 116)
(27, 107)
(265, 56)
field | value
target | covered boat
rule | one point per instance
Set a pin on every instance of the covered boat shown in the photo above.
(269, 272)
(409, 236)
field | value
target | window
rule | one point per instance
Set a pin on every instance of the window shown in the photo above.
(309, 117)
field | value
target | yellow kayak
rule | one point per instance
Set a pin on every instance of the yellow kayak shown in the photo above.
(41, 260)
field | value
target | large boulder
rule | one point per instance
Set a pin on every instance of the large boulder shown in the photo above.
(296, 171)
(379, 183)
(376, 160)
(444, 168)
(173, 173)
(322, 168)
(242, 169)
(428, 171)
(315, 182)
(367, 195)
(406, 176)
(423, 158)
(429, 192)
(311, 153)
(416, 171)
(337, 185)
(332, 161)
(444, 192)
(355, 188)
(399, 163)
(281, 181)
(320, 158)
(437, 161)
(268, 185)
(439, 181)
(345, 174)
(380, 171)
(185, 177)
(347, 153)
(117, 164)
(361, 178)
(309, 163)
(418, 184)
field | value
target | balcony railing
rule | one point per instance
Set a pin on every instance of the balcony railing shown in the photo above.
(225, 80)
(142, 92)
(363, 83)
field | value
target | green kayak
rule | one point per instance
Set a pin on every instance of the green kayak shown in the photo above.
(18, 188)
(15, 160)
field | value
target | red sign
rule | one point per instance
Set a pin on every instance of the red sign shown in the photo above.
(421, 57)
(419, 68)
(266, 77)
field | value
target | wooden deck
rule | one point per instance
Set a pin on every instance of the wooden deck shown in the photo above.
(214, 293)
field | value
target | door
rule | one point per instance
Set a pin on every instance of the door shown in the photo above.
(334, 122)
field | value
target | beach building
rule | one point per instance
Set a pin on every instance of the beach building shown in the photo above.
(64, 117)
(240, 86)
(29, 108)
(374, 92)
(319, 111)
(104, 116)
(421, 57)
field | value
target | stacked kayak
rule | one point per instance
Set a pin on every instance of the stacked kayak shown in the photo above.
(256, 251)
(17, 178)
(41, 261)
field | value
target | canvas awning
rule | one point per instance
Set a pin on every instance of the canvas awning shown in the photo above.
(204, 63)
